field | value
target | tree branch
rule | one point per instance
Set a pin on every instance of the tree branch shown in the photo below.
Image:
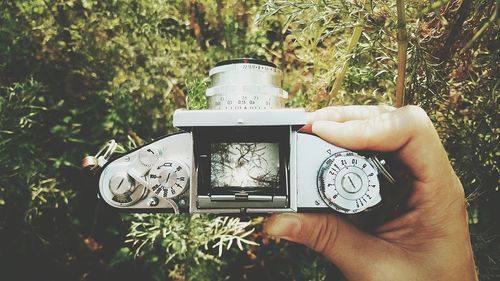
(402, 47)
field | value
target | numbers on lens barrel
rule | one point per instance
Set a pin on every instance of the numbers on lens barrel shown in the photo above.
(241, 102)
(347, 182)
(168, 178)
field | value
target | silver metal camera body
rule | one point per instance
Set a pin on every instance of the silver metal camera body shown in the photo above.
(243, 155)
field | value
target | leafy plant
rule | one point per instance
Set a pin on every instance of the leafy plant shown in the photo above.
(76, 73)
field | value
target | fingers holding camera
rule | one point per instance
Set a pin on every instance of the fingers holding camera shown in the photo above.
(356, 253)
(435, 226)
(346, 113)
(406, 130)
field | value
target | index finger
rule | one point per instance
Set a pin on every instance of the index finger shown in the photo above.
(346, 113)
(406, 130)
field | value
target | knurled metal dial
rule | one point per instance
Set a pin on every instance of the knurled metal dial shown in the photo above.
(124, 190)
(149, 155)
(168, 178)
(348, 182)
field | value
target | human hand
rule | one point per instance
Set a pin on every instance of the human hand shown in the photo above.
(430, 241)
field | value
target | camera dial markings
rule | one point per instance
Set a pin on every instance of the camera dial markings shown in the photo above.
(169, 181)
(347, 182)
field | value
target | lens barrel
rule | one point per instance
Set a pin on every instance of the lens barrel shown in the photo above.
(246, 60)
(245, 84)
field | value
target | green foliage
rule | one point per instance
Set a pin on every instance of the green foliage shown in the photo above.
(196, 98)
(75, 73)
(21, 115)
(182, 242)
(457, 84)
(317, 34)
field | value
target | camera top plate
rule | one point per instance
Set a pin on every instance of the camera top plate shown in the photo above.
(186, 119)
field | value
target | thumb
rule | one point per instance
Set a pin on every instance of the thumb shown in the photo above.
(356, 253)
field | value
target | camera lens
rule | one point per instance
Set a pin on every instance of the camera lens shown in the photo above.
(246, 60)
(245, 84)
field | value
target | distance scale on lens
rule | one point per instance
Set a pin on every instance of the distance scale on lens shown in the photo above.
(243, 102)
(348, 183)
(168, 178)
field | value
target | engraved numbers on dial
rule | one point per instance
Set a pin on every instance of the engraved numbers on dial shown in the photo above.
(347, 182)
(168, 178)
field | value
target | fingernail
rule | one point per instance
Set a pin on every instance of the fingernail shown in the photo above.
(285, 225)
(306, 129)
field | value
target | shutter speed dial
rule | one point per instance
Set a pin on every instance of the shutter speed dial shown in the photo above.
(348, 183)
(168, 178)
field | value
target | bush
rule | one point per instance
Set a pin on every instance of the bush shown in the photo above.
(76, 73)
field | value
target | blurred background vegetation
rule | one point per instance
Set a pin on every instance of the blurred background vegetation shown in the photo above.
(76, 73)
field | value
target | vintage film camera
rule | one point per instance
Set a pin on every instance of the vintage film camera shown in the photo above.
(244, 154)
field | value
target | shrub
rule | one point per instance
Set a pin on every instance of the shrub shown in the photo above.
(76, 73)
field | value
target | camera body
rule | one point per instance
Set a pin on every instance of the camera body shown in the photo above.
(243, 155)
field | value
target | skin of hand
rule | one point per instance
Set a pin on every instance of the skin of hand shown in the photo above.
(430, 241)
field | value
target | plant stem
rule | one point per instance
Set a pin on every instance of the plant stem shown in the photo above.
(356, 34)
(478, 34)
(402, 46)
(340, 77)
